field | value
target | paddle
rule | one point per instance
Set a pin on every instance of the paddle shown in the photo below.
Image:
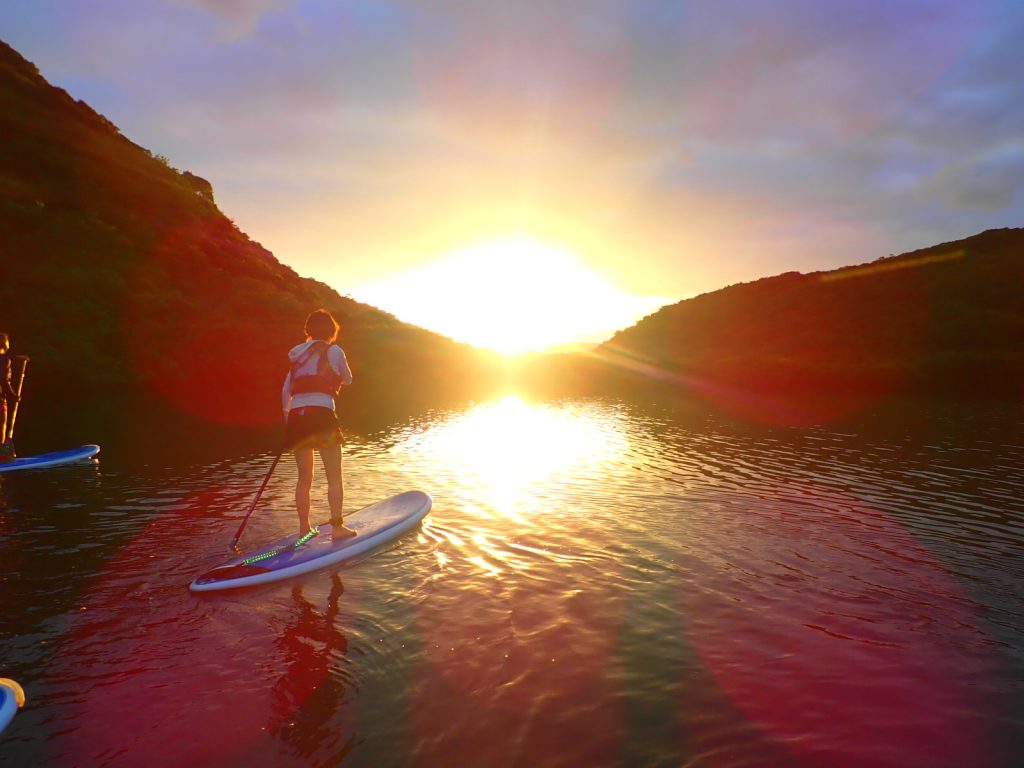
(234, 541)
(8, 439)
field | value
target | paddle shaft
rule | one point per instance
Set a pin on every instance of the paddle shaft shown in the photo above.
(273, 465)
(17, 401)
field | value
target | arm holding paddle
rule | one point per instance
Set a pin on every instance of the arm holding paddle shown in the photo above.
(10, 396)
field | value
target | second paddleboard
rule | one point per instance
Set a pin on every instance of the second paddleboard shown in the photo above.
(54, 459)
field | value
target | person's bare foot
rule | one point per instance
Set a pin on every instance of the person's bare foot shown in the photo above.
(340, 532)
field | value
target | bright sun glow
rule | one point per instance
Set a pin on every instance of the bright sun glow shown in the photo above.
(511, 295)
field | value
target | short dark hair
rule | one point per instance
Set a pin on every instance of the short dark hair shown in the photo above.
(322, 326)
(5, 337)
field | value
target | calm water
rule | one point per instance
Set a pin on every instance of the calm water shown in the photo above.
(598, 584)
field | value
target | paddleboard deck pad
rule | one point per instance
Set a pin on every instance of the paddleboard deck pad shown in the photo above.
(295, 555)
(43, 460)
(11, 697)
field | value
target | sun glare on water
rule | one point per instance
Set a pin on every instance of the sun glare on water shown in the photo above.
(513, 296)
(504, 452)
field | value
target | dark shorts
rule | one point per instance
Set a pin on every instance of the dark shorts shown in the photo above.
(311, 427)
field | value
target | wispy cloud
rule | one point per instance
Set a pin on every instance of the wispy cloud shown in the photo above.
(992, 181)
(241, 16)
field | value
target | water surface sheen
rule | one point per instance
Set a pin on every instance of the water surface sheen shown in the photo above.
(599, 583)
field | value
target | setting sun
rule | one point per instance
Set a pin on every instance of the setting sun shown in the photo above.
(513, 295)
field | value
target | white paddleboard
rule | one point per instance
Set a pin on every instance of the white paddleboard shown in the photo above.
(11, 697)
(54, 459)
(294, 555)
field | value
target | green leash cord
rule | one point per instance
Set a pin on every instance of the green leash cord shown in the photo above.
(275, 552)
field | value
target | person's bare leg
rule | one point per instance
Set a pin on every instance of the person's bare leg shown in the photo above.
(331, 457)
(304, 464)
(6, 451)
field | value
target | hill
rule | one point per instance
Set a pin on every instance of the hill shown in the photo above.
(120, 277)
(944, 320)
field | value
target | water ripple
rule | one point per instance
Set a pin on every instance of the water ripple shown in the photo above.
(598, 584)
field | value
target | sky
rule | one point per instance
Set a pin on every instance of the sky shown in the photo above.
(646, 151)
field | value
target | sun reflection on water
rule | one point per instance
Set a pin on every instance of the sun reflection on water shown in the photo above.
(501, 453)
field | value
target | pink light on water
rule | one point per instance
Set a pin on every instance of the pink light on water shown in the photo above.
(844, 640)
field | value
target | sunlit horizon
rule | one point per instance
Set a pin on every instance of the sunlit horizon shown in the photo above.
(512, 295)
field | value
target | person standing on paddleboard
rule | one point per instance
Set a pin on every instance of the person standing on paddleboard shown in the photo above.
(318, 371)
(8, 398)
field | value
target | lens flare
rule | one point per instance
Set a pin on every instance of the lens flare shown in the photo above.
(841, 651)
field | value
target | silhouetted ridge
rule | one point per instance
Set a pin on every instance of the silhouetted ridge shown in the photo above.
(946, 319)
(119, 274)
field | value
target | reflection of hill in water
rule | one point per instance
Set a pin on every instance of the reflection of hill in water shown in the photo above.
(121, 278)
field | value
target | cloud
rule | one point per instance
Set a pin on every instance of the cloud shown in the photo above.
(990, 182)
(242, 15)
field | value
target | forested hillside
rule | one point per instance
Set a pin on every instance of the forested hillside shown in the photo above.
(119, 275)
(944, 320)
